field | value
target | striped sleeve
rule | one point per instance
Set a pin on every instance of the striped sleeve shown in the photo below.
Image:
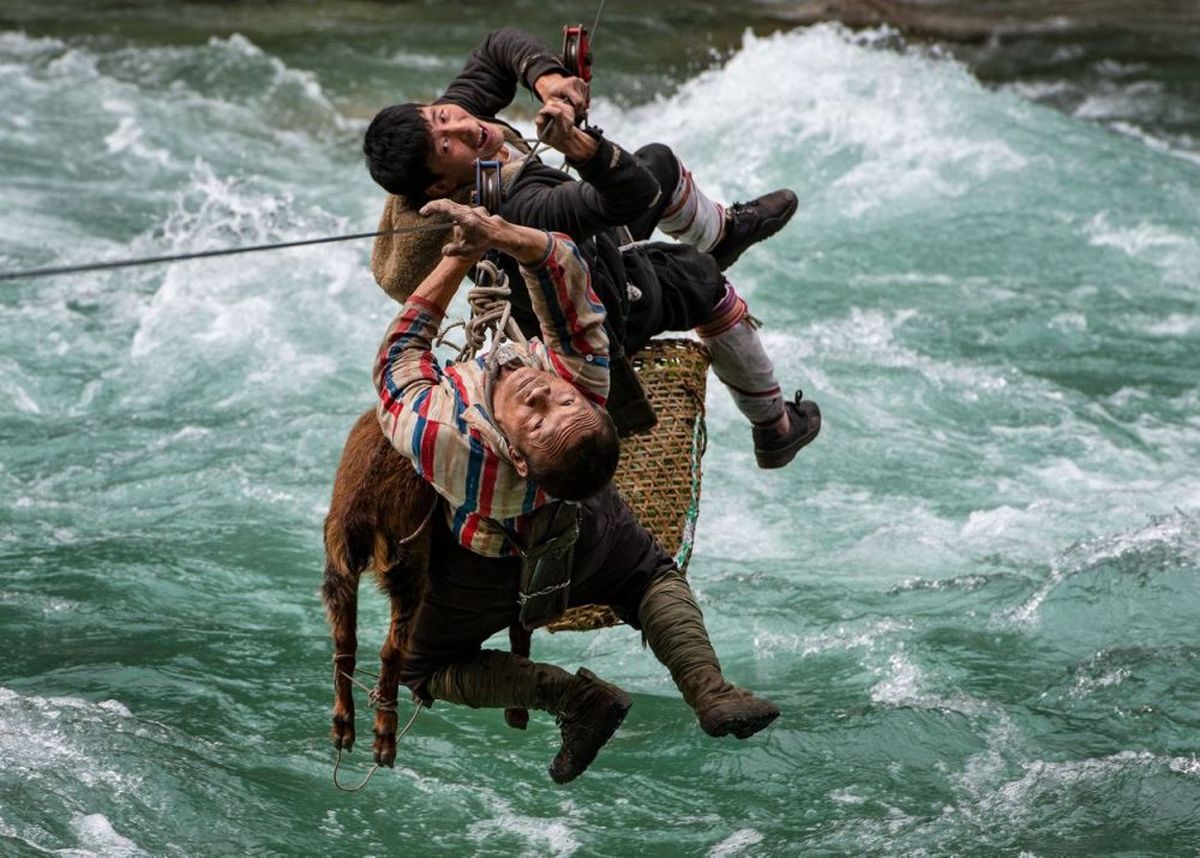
(571, 317)
(420, 406)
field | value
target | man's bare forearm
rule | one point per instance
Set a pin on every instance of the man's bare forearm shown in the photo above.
(440, 286)
(524, 244)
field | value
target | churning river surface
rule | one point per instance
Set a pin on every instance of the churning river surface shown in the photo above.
(975, 597)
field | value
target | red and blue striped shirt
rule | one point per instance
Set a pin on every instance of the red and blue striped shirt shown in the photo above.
(440, 418)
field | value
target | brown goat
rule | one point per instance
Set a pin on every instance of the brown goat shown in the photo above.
(379, 519)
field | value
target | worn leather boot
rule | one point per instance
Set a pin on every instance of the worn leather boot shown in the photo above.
(588, 710)
(674, 629)
(588, 715)
(748, 223)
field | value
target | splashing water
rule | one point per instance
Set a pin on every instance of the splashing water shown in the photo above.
(972, 598)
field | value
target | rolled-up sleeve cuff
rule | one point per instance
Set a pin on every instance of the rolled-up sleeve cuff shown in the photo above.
(603, 159)
(552, 239)
(420, 304)
(538, 65)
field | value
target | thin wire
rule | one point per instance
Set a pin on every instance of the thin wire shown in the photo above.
(596, 24)
(533, 151)
(338, 762)
(538, 144)
(205, 254)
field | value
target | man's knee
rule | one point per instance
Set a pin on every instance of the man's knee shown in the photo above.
(660, 161)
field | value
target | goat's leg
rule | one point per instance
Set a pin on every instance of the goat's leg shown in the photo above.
(339, 592)
(391, 656)
(402, 585)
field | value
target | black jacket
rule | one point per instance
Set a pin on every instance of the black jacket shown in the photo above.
(615, 188)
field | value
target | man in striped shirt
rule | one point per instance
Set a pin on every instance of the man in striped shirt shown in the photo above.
(495, 436)
(506, 439)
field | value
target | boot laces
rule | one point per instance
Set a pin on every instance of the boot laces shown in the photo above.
(741, 208)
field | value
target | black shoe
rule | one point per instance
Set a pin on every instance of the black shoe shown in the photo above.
(772, 450)
(749, 223)
(592, 710)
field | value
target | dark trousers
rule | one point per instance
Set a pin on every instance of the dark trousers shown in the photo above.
(470, 597)
(679, 286)
(690, 283)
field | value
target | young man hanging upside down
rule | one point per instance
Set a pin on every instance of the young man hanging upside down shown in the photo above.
(428, 151)
(518, 444)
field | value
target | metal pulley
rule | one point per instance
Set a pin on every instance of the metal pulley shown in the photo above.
(576, 52)
(489, 189)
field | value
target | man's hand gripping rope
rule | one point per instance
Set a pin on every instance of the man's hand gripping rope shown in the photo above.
(476, 232)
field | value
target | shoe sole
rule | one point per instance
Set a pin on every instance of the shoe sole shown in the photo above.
(742, 728)
(622, 703)
(777, 458)
(770, 227)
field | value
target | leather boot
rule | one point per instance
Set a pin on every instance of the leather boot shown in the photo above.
(674, 629)
(588, 710)
(748, 223)
(588, 715)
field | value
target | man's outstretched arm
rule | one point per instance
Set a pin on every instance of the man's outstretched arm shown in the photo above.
(422, 406)
(506, 57)
(574, 344)
(406, 367)
(615, 187)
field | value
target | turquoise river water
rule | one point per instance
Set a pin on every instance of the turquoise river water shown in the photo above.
(975, 597)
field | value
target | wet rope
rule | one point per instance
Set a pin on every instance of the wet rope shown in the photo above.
(376, 702)
(699, 444)
(207, 254)
(491, 314)
(366, 778)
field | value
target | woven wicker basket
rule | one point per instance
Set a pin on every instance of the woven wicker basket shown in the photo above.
(659, 474)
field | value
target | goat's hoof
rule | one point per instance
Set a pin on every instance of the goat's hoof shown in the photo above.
(385, 739)
(343, 732)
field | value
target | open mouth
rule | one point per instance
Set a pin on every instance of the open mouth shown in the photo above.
(483, 136)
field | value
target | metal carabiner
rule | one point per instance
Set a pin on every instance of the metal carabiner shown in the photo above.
(489, 189)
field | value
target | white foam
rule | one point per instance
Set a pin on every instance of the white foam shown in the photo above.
(18, 44)
(839, 639)
(128, 135)
(1040, 776)
(422, 62)
(1185, 765)
(1175, 530)
(550, 835)
(901, 685)
(19, 397)
(1184, 147)
(901, 112)
(1137, 239)
(97, 837)
(43, 737)
(245, 311)
(870, 337)
(904, 685)
(736, 844)
(1171, 326)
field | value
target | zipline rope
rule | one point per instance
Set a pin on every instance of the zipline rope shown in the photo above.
(52, 271)
(206, 254)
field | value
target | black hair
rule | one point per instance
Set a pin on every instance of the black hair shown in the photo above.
(584, 468)
(396, 146)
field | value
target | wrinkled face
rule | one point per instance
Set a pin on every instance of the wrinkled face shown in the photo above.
(540, 414)
(458, 140)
